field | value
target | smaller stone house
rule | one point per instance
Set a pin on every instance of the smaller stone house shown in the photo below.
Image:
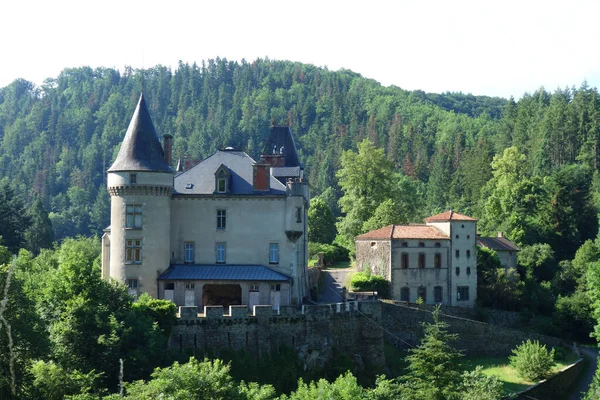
(435, 261)
(506, 250)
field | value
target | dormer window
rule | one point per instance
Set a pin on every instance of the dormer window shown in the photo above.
(221, 185)
(222, 179)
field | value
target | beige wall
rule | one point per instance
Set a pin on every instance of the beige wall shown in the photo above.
(414, 277)
(463, 234)
(252, 225)
(508, 259)
(152, 192)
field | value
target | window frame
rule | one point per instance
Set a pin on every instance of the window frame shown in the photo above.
(438, 290)
(405, 290)
(220, 252)
(461, 297)
(189, 247)
(221, 181)
(422, 261)
(437, 260)
(423, 290)
(298, 215)
(221, 219)
(273, 253)
(134, 216)
(133, 251)
(404, 260)
(133, 179)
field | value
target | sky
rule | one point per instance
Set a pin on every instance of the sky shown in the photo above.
(494, 48)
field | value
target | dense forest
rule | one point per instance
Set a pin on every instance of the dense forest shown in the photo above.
(374, 155)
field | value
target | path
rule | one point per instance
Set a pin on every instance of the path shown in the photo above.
(591, 354)
(333, 287)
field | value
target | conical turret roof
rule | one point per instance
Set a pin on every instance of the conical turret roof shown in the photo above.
(140, 150)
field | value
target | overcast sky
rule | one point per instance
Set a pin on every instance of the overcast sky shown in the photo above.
(495, 48)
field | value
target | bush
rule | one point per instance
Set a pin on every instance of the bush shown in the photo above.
(332, 253)
(532, 361)
(365, 282)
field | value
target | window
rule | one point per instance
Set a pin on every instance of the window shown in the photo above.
(132, 287)
(457, 253)
(437, 260)
(422, 294)
(437, 294)
(421, 260)
(462, 226)
(421, 244)
(132, 284)
(190, 286)
(133, 251)
(298, 214)
(133, 216)
(273, 253)
(457, 271)
(276, 287)
(468, 270)
(438, 244)
(468, 253)
(169, 286)
(468, 236)
(132, 178)
(188, 252)
(404, 244)
(457, 236)
(254, 287)
(221, 219)
(221, 185)
(404, 259)
(405, 294)
(220, 250)
(462, 293)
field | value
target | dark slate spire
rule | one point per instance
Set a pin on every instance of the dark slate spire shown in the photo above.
(140, 150)
(281, 137)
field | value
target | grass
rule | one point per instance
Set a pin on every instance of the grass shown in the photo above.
(500, 366)
(341, 265)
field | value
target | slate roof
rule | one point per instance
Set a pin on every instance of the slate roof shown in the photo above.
(202, 176)
(449, 216)
(497, 243)
(222, 273)
(286, 172)
(140, 150)
(405, 232)
(282, 136)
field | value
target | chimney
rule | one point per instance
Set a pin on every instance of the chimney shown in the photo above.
(500, 234)
(261, 177)
(189, 162)
(168, 148)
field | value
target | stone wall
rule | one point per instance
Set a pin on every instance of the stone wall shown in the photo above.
(314, 331)
(376, 255)
(403, 326)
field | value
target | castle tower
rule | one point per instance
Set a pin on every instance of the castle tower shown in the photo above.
(136, 249)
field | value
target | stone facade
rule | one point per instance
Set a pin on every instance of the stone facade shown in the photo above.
(314, 331)
(436, 262)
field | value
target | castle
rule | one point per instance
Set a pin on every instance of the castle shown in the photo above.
(226, 231)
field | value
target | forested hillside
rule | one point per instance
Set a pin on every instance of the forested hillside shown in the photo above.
(57, 140)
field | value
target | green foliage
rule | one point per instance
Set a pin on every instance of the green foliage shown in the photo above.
(366, 180)
(331, 253)
(572, 316)
(39, 234)
(14, 219)
(434, 367)
(367, 282)
(538, 261)
(532, 361)
(345, 387)
(321, 222)
(52, 382)
(477, 386)
(195, 380)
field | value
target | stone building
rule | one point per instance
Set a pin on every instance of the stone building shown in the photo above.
(504, 248)
(228, 230)
(436, 262)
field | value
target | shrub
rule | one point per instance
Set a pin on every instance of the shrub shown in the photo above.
(366, 282)
(532, 361)
(332, 253)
